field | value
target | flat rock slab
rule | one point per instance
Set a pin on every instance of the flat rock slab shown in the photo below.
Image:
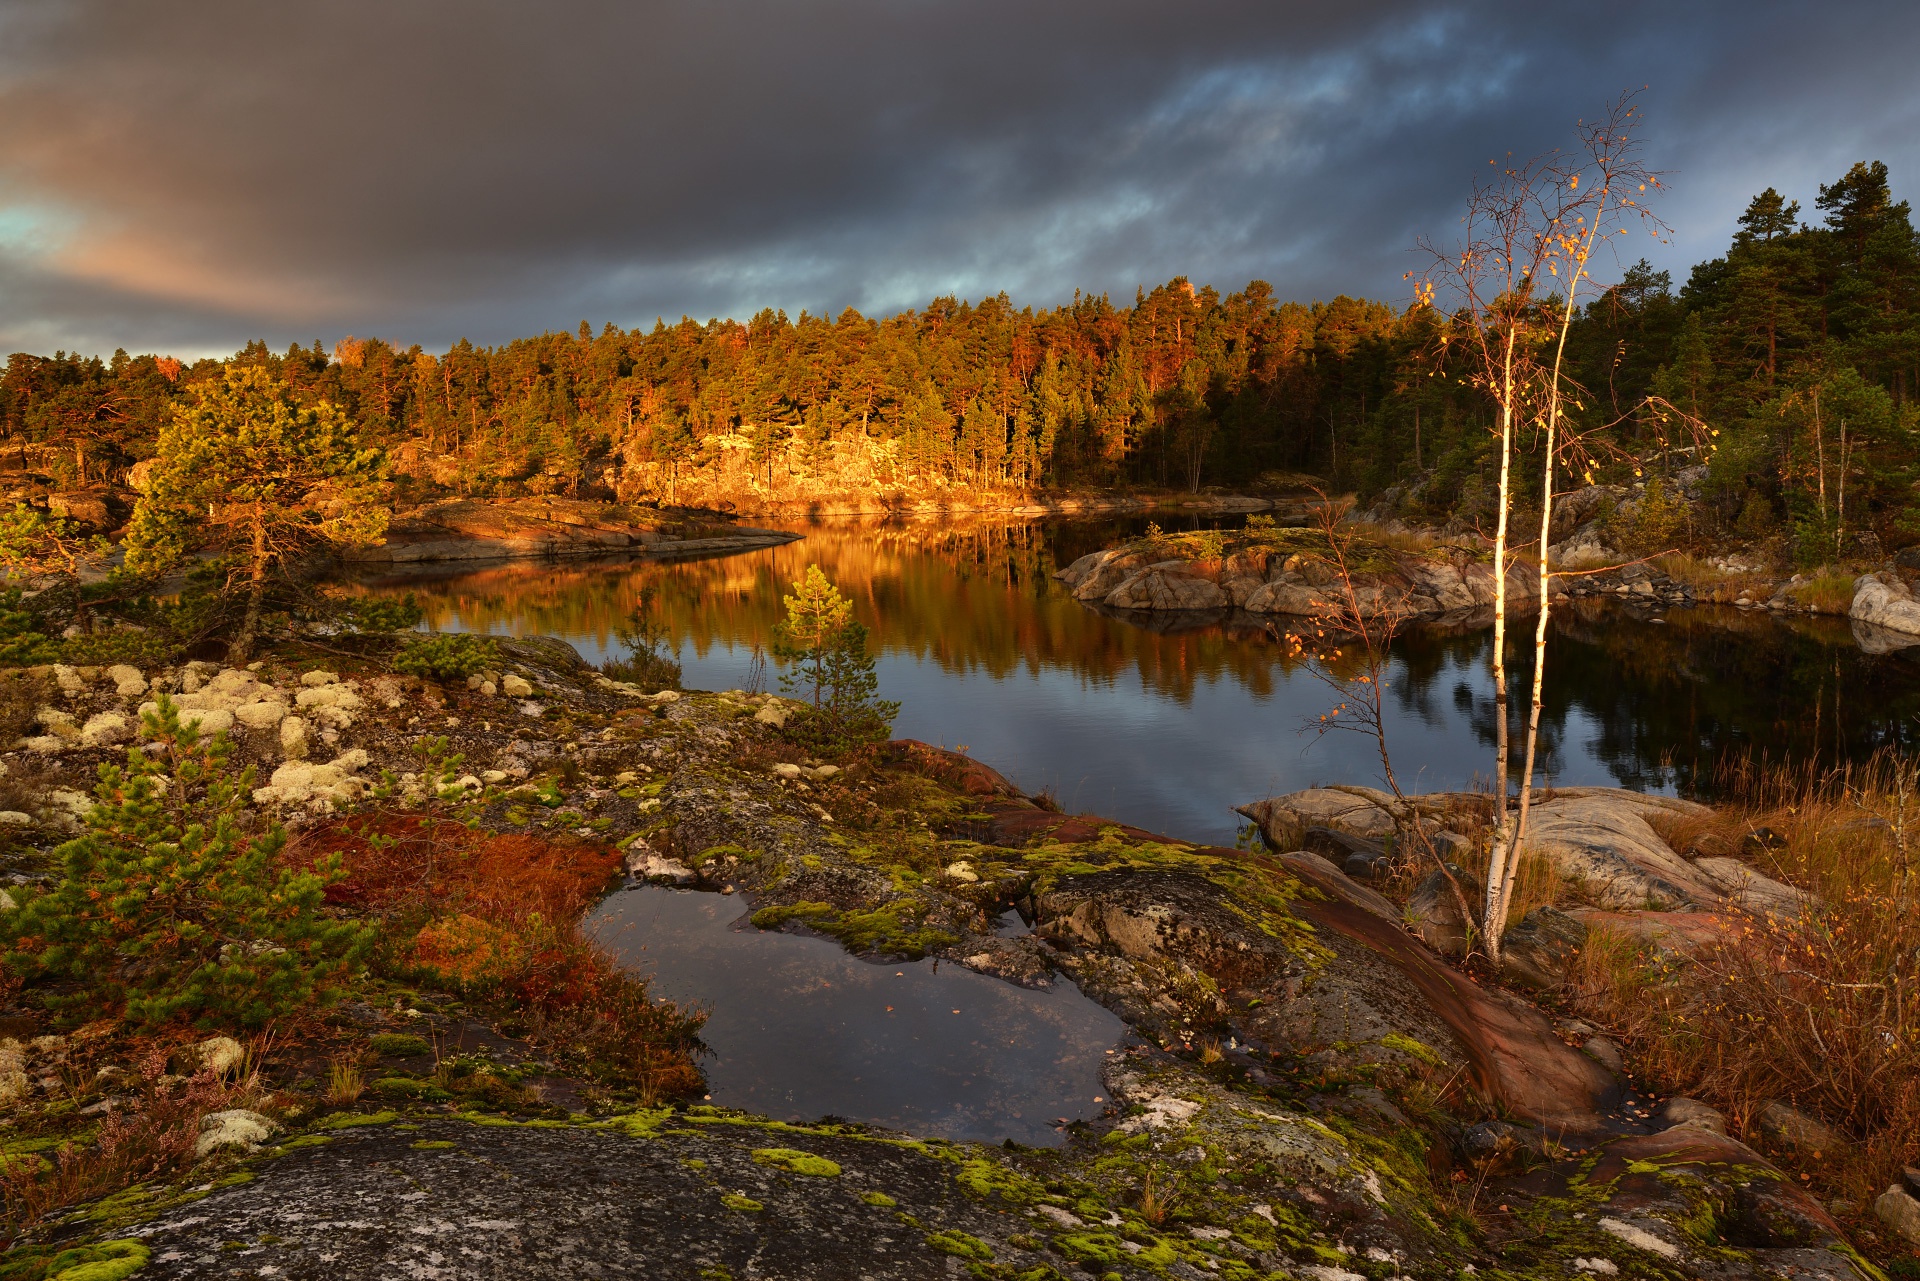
(457, 1200)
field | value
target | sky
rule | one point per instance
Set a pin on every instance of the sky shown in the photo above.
(186, 175)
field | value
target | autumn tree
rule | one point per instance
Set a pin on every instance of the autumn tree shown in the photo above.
(252, 474)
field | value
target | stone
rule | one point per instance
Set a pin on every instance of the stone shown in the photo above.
(515, 686)
(128, 680)
(1746, 888)
(1897, 1209)
(293, 738)
(1537, 952)
(1356, 811)
(1701, 1116)
(264, 714)
(235, 1127)
(1166, 586)
(314, 680)
(1606, 1054)
(1435, 916)
(786, 769)
(493, 775)
(774, 714)
(104, 728)
(1886, 602)
(1784, 1125)
(219, 1054)
(825, 772)
(667, 696)
(1601, 838)
(643, 861)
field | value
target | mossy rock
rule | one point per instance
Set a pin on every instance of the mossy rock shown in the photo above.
(399, 1045)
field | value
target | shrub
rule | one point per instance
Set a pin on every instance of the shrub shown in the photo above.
(170, 909)
(446, 656)
(380, 613)
(833, 672)
(22, 644)
(1655, 522)
(649, 662)
(136, 645)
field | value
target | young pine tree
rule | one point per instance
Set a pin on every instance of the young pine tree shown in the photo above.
(168, 909)
(249, 470)
(832, 670)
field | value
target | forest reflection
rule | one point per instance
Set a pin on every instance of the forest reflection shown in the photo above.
(1174, 719)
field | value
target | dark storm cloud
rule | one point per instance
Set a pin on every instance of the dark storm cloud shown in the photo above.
(188, 175)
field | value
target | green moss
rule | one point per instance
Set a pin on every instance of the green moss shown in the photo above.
(880, 1199)
(894, 929)
(715, 853)
(409, 1087)
(961, 1245)
(398, 1045)
(433, 1145)
(306, 1141)
(346, 1120)
(1415, 1049)
(795, 1161)
(111, 1261)
(734, 1201)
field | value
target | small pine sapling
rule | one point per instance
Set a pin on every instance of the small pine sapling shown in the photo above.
(170, 909)
(832, 670)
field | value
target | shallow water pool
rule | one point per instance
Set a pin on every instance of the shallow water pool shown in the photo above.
(800, 1030)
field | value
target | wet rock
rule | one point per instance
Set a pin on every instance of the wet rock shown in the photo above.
(1701, 1116)
(235, 1127)
(646, 862)
(1784, 1125)
(1538, 951)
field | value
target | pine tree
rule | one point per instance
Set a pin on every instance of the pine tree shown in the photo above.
(831, 669)
(170, 909)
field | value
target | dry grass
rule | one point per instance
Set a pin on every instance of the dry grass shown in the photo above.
(346, 1082)
(1709, 582)
(1826, 591)
(1820, 1008)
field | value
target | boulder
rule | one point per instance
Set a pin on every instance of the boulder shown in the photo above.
(1602, 841)
(1897, 1209)
(1286, 598)
(1748, 889)
(1885, 601)
(1786, 1126)
(1353, 811)
(1434, 913)
(515, 686)
(1537, 952)
(1701, 1116)
(1094, 575)
(774, 714)
(1166, 586)
(235, 1127)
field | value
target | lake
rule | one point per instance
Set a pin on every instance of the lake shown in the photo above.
(1169, 726)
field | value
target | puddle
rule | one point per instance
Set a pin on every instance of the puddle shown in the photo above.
(801, 1030)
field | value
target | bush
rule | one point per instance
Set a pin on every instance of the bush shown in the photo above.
(135, 645)
(22, 643)
(380, 613)
(169, 909)
(833, 673)
(1655, 522)
(648, 663)
(446, 657)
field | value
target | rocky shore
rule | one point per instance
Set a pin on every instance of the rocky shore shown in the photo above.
(1313, 1092)
(471, 529)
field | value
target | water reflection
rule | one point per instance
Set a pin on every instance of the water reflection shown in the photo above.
(1171, 728)
(800, 1030)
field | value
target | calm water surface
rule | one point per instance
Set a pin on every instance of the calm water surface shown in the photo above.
(1171, 729)
(799, 1030)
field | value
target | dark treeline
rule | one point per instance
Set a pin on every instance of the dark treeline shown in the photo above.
(1799, 349)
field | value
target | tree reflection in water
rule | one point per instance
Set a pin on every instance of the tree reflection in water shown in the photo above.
(1168, 721)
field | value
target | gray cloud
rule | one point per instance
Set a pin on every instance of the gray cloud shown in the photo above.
(185, 176)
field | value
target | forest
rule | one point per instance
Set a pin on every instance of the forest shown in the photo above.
(1793, 358)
